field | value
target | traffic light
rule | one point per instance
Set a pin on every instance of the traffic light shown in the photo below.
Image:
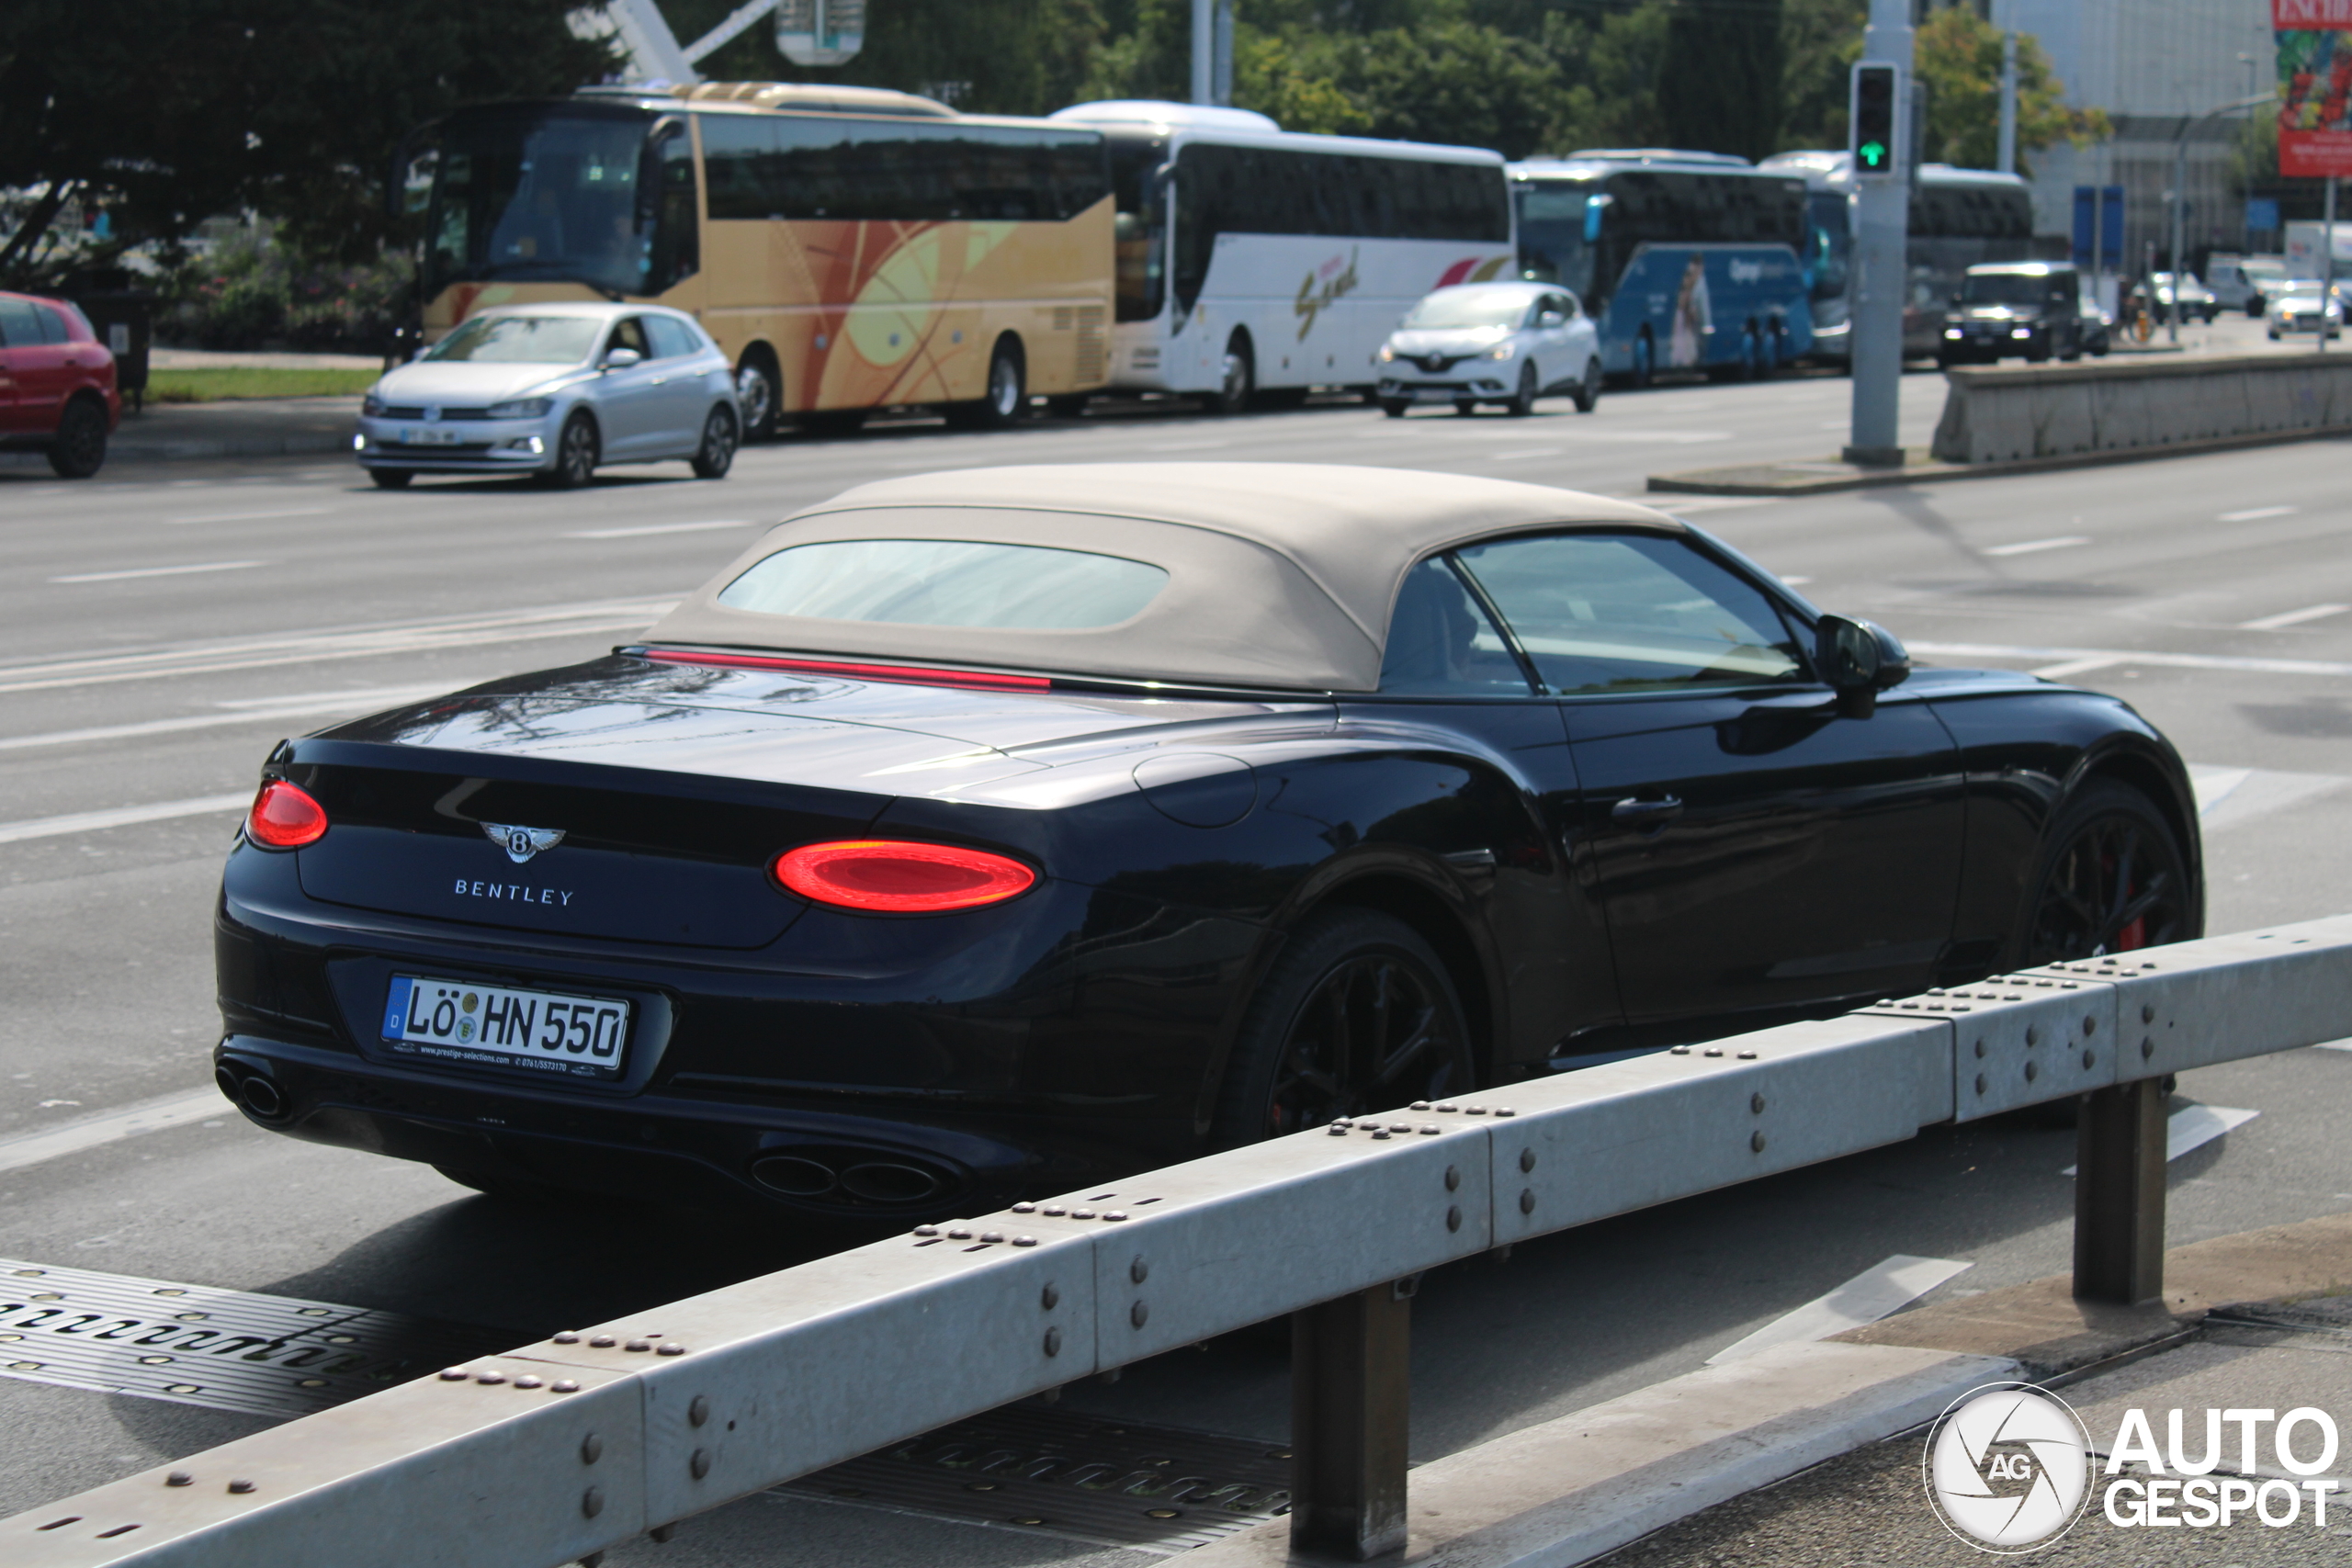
(1877, 118)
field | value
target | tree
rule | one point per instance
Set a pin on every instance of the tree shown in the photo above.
(1820, 41)
(1958, 54)
(1721, 90)
(169, 111)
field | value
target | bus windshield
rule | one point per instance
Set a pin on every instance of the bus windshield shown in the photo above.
(1551, 246)
(555, 193)
(1141, 224)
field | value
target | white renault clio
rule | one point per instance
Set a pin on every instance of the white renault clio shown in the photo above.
(1491, 342)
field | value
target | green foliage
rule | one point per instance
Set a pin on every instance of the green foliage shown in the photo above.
(250, 293)
(1721, 90)
(1958, 54)
(171, 111)
(1820, 41)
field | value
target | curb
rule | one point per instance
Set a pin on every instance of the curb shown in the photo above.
(1648, 1458)
(1809, 479)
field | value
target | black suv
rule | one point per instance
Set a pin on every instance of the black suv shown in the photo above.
(2033, 309)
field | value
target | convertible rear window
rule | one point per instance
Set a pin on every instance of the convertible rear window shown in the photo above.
(947, 583)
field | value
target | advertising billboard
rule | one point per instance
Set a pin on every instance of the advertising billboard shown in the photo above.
(2316, 83)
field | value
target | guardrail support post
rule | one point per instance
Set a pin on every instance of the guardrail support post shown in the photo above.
(2120, 1194)
(1351, 1384)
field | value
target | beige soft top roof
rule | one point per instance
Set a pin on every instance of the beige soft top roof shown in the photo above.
(1280, 574)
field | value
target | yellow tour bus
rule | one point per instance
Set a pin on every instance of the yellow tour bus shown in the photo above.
(850, 248)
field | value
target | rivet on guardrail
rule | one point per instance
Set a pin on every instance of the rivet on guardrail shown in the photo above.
(592, 1502)
(1050, 1298)
(2088, 1059)
(2032, 1034)
(960, 1233)
(2147, 1048)
(1678, 1050)
(1453, 1216)
(2032, 1071)
(699, 1409)
(604, 1342)
(525, 1381)
(239, 1485)
(1139, 1271)
(1024, 1241)
(1380, 1133)
(1505, 1110)
(1747, 1055)
(455, 1374)
(1429, 1129)
(1474, 1110)
(1979, 1050)
(1053, 1342)
(592, 1448)
(1418, 1105)
(490, 1377)
(1526, 1201)
(1338, 1131)
(1980, 1083)
(1756, 1104)
(699, 1463)
(1081, 1213)
(991, 1236)
(567, 1337)
(1139, 1313)
(1055, 1210)
(563, 1385)
(670, 1347)
(1024, 1208)
(1712, 1051)
(1453, 1178)
(926, 1230)
(638, 1345)
(1527, 1159)
(1756, 1141)
(1113, 1216)
(2147, 1012)
(179, 1478)
(2090, 1027)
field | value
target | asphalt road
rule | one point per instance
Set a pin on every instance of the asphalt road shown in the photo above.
(161, 627)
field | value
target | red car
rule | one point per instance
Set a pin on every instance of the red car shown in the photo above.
(57, 388)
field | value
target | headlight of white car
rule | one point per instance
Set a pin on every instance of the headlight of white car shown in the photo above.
(371, 405)
(1387, 353)
(1502, 351)
(521, 408)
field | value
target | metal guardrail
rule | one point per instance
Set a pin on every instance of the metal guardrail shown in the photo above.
(560, 1449)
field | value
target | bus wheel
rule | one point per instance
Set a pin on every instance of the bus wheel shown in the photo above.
(756, 394)
(1645, 359)
(1007, 398)
(1588, 391)
(1523, 402)
(1240, 380)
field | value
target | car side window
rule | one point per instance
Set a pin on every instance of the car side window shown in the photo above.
(1441, 643)
(672, 339)
(629, 333)
(19, 324)
(1599, 611)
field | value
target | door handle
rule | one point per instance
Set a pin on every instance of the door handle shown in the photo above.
(1646, 813)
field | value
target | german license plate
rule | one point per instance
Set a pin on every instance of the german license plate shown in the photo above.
(429, 435)
(464, 1021)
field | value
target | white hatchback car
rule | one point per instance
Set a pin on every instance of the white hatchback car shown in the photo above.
(554, 390)
(1491, 342)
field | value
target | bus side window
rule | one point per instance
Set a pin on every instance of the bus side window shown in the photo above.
(670, 219)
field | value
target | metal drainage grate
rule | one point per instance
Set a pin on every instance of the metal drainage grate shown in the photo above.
(222, 1349)
(1058, 1473)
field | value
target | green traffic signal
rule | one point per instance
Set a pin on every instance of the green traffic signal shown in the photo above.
(1873, 154)
(1877, 87)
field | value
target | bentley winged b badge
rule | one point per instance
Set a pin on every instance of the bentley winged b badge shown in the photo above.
(521, 843)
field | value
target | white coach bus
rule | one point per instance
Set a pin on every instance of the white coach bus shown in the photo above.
(1253, 262)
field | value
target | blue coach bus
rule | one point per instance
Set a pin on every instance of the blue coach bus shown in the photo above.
(1684, 260)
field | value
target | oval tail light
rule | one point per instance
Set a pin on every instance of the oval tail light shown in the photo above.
(901, 877)
(285, 817)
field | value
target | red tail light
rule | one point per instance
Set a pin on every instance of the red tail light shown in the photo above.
(285, 817)
(907, 878)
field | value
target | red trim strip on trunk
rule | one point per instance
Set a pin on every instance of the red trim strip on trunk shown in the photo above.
(912, 675)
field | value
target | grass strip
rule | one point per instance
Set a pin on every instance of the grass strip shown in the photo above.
(216, 384)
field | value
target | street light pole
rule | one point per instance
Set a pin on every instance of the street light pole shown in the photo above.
(1203, 51)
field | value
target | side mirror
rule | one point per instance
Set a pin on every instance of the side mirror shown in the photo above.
(622, 358)
(1859, 661)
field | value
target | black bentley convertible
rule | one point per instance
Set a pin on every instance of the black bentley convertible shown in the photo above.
(981, 834)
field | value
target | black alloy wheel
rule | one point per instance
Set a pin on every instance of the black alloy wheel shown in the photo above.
(1357, 1015)
(1239, 383)
(1523, 402)
(2112, 880)
(390, 479)
(716, 453)
(576, 452)
(1588, 391)
(79, 448)
(755, 394)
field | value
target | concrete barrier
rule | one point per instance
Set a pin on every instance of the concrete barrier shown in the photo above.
(2000, 415)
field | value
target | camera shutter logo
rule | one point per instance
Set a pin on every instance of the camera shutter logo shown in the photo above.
(2008, 1468)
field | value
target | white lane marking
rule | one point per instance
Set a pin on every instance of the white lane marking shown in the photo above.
(302, 647)
(2059, 671)
(2124, 655)
(243, 711)
(1188, 445)
(159, 571)
(2035, 547)
(2193, 1127)
(657, 529)
(2256, 513)
(2227, 796)
(1870, 1295)
(1525, 452)
(122, 816)
(2281, 621)
(89, 1132)
(1680, 504)
(250, 516)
